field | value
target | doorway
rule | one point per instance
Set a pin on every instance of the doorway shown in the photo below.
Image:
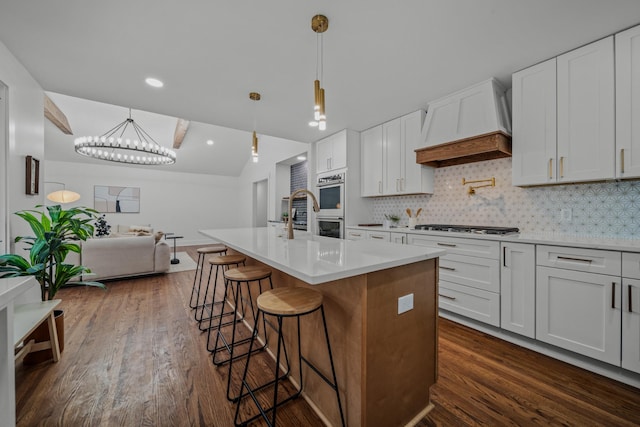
(260, 203)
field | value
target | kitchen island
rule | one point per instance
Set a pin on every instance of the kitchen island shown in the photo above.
(385, 362)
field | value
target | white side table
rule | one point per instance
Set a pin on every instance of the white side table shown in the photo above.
(10, 289)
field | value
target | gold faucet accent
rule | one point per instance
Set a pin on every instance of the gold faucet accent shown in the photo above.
(316, 208)
(472, 189)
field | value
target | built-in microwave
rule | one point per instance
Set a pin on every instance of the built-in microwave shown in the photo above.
(331, 196)
(331, 227)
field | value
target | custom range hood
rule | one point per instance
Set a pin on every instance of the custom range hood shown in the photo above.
(467, 126)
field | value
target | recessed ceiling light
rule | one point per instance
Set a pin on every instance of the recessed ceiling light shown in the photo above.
(153, 82)
(302, 157)
(209, 141)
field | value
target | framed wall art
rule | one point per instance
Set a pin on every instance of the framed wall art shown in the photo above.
(32, 175)
(111, 199)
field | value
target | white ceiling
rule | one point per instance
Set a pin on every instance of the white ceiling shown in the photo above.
(382, 58)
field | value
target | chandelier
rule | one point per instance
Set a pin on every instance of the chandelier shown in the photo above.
(319, 24)
(114, 146)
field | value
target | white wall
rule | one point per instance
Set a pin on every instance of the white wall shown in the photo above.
(176, 202)
(272, 150)
(25, 136)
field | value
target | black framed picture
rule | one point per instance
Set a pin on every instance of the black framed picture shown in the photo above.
(32, 175)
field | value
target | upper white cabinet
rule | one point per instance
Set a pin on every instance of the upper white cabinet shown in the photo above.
(331, 152)
(371, 154)
(388, 159)
(628, 103)
(581, 85)
(586, 103)
(534, 125)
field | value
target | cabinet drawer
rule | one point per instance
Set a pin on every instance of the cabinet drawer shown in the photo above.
(631, 265)
(470, 302)
(356, 234)
(479, 273)
(589, 260)
(460, 246)
(384, 236)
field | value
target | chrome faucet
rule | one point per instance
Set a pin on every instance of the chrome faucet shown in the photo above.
(316, 208)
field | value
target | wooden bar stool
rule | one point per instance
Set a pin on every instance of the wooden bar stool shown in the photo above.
(197, 278)
(235, 278)
(281, 303)
(221, 262)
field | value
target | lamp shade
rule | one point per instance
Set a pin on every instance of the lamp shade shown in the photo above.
(63, 196)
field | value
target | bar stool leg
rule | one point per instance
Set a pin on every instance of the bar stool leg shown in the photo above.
(199, 267)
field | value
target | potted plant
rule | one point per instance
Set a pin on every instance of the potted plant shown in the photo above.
(54, 236)
(391, 220)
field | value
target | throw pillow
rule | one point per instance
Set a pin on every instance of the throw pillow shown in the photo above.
(137, 228)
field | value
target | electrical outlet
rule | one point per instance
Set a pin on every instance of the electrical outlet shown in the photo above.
(405, 303)
(565, 215)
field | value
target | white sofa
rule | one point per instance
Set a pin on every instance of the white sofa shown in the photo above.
(117, 257)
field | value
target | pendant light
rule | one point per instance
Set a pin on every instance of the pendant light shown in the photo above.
(62, 196)
(254, 96)
(115, 146)
(319, 24)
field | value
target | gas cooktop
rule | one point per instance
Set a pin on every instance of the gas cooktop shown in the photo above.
(477, 229)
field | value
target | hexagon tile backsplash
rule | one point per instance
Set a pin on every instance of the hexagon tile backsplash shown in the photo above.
(605, 209)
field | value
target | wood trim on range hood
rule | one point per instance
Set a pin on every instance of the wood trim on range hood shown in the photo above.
(493, 145)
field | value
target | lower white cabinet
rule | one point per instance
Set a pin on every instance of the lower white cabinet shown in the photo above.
(356, 234)
(518, 288)
(580, 312)
(469, 276)
(397, 237)
(631, 324)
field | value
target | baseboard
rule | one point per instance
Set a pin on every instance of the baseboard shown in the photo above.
(614, 372)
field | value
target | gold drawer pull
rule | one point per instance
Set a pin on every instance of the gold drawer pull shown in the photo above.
(447, 268)
(356, 234)
(449, 245)
(561, 167)
(550, 168)
(447, 297)
(567, 258)
(377, 237)
(622, 160)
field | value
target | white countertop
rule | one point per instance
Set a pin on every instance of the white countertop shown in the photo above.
(555, 239)
(315, 259)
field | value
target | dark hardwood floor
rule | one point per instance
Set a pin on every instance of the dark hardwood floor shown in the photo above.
(134, 356)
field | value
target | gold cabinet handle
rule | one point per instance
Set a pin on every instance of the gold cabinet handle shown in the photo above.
(622, 160)
(380, 187)
(561, 167)
(377, 237)
(356, 234)
(550, 168)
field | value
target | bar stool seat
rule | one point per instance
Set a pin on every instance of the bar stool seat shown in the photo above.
(202, 253)
(220, 262)
(281, 303)
(247, 273)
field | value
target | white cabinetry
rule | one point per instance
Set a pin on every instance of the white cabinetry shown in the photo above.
(385, 236)
(534, 125)
(397, 237)
(469, 276)
(331, 152)
(388, 159)
(631, 311)
(583, 82)
(371, 155)
(628, 103)
(576, 309)
(518, 288)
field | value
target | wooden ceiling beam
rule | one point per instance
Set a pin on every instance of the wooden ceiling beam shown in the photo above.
(56, 116)
(181, 130)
